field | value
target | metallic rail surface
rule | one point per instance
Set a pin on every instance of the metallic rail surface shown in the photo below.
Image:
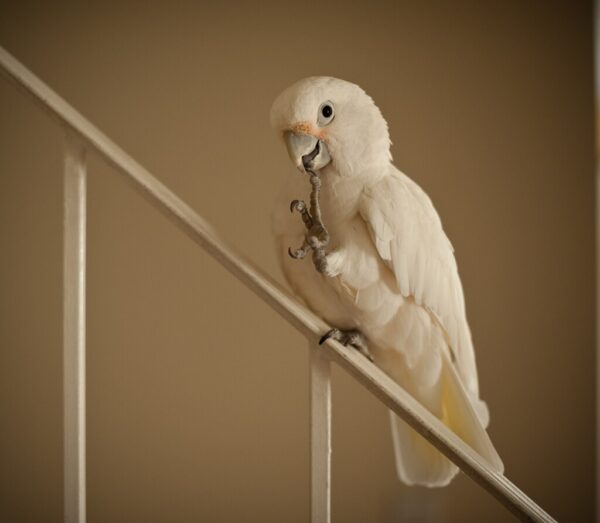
(85, 136)
(75, 178)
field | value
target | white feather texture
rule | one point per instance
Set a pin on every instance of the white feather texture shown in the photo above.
(392, 272)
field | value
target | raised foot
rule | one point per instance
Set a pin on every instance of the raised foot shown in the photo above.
(317, 236)
(351, 337)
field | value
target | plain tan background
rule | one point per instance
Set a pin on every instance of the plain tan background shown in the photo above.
(197, 392)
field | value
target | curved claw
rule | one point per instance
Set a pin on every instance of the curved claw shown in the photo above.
(297, 205)
(333, 333)
(350, 338)
(297, 254)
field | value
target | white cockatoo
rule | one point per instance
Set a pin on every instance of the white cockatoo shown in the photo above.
(382, 270)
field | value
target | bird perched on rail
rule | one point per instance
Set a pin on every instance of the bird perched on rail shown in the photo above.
(381, 270)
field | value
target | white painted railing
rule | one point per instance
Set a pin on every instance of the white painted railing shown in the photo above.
(82, 136)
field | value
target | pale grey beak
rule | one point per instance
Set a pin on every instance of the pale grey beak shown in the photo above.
(306, 151)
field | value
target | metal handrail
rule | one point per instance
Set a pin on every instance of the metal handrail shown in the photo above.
(383, 387)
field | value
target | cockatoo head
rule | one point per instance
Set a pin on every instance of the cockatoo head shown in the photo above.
(326, 120)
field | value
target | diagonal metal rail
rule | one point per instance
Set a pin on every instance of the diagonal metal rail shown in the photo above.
(370, 376)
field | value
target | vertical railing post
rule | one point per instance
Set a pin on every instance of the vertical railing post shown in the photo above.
(597, 83)
(74, 331)
(320, 435)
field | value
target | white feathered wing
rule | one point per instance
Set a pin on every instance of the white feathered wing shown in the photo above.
(408, 236)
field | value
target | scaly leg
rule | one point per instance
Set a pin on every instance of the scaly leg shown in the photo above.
(317, 236)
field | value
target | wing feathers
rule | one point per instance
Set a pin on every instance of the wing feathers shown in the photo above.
(408, 236)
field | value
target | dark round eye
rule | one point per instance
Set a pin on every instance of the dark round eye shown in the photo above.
(325, 114)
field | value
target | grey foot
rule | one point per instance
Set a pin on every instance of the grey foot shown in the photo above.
(317, 236)
(352, 337)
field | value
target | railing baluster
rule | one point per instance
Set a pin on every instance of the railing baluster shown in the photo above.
(320, 435)
(74, 331)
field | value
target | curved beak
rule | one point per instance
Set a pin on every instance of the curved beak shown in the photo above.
(307, 152)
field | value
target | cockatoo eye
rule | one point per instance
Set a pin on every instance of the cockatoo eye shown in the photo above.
(325, 114)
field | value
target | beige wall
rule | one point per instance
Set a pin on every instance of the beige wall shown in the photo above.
(197, 392)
